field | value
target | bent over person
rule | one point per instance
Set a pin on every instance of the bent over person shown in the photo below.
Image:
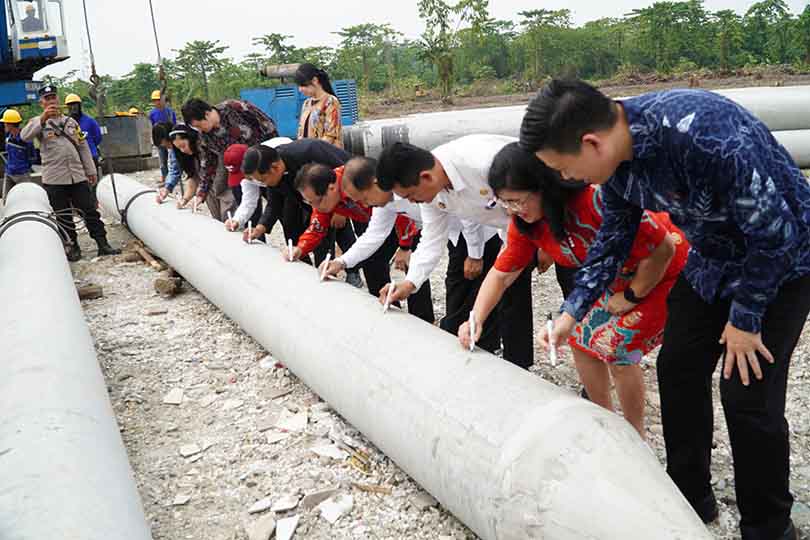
(67, 171)
(744, 293)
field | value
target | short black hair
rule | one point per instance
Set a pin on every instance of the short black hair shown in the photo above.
(561, 113)
(360, 172)
(516, 169)
(160, 133)
(259, 158)
(316, 176)
(401, 164)
(195, 109)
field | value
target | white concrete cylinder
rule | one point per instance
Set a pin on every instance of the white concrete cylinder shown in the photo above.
(64, 470)
(781, 108)
(509, 454)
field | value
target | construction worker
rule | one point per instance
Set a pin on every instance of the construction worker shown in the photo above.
(90, 128)
(67, 170)
(162, 114)
(19, 153)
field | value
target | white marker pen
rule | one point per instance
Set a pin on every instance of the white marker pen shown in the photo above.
(472, 331)
(387, 304)
(552, 350)
(250, 232)
(290, 249)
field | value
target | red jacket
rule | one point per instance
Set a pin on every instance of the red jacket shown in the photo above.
(319, 222)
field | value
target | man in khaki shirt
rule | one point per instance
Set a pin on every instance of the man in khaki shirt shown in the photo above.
(67, 170)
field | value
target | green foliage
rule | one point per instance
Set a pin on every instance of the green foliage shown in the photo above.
(463, 47)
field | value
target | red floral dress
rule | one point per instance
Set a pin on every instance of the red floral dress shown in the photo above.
(620, 340)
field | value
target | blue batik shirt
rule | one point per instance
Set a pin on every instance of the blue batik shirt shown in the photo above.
(726, 182)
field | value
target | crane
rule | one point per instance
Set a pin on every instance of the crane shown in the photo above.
(32, 36)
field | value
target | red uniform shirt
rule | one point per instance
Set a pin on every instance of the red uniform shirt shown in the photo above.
(319, 222)
(583, 219)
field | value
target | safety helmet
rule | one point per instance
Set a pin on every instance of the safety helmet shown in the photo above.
(11, 117)
(72, 98)
(134, 110)
(155, 95)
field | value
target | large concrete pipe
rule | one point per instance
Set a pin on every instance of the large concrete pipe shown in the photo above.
(511, 455)
(64, 468)
(783, 108)
(797, 143)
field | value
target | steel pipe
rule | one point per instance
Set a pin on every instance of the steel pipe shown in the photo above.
(782, 109)
(65, 472)
(509, 454)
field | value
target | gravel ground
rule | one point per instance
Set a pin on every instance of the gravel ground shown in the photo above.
(210, 467)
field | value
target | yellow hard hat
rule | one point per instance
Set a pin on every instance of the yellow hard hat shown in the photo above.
(11, 117)
(72, 98)
(134, 110)
(155, 95)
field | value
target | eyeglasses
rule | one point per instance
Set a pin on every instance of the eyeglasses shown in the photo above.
(515, 206)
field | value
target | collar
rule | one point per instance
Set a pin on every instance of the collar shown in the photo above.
(456, 180)
(641, 128)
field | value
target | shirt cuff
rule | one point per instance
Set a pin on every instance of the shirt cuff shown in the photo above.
(475, 251)
(575, 306)
(745, 319)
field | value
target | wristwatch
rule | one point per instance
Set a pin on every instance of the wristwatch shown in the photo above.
(631, 297)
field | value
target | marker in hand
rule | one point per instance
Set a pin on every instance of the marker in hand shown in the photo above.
(472, 331)
(388, 296)
(230, 216)
(194, 206)
(290, 249)
(250, 232)
(325, 266)
(552, 350)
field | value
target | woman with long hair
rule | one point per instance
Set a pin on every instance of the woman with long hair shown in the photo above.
(627, 321)
(320, 113)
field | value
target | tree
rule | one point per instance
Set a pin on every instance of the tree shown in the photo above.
(441, 36)
(542, 27)
(279, 52)
(803, 27)
(198, 59)
(767, 29)
(364, 42)
(729, 37)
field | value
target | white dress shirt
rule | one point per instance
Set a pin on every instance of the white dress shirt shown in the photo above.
(467, 162)
(383, 220)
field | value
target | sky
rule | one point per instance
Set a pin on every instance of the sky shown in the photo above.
(122, 29)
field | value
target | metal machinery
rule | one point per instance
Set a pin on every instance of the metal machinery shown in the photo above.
(283, 103)
(32, 36)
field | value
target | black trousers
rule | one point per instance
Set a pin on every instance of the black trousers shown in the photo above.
(511, 322)
(377, 271)
(755, 414)
(76, 196)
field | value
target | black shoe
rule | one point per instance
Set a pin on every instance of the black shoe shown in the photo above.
(74, 253)
(791, 533)
(707, 509)
(106, 249)
(584, 394)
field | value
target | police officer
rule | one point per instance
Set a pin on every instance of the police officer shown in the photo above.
(67, 170)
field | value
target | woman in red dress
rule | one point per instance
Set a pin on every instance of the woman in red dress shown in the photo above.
(625, 323)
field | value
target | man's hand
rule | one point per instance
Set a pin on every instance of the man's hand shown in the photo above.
(402, 290)
(231, 224)
(619, 305)
(473, 268)
(563, 327)
(464, 333)
(741, 349)
(258, 232)
(161, 195)
(92, 179)
(51, 111)
(333, 269)
(338, 221)
(402, 259)
(544, 261)
(285, 251)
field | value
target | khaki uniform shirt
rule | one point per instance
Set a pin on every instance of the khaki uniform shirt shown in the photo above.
(62, 164)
